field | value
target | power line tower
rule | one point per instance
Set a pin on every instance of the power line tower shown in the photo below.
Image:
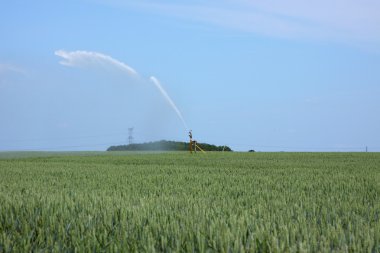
(130, 135)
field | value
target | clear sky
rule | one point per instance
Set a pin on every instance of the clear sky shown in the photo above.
(266, 75)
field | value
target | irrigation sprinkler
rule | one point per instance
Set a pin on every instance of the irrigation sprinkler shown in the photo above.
(193, 144)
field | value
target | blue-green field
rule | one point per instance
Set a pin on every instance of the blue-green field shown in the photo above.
(177, 202)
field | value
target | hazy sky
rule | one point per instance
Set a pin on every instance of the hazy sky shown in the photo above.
(266, 75)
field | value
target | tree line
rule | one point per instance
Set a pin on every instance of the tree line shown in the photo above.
(166, 146)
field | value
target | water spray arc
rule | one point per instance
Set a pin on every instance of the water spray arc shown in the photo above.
(88, 58)
(168, 99)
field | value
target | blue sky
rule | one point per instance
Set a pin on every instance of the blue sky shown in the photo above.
(266, 75)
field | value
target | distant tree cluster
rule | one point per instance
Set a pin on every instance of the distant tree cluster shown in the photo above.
(166, 146)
